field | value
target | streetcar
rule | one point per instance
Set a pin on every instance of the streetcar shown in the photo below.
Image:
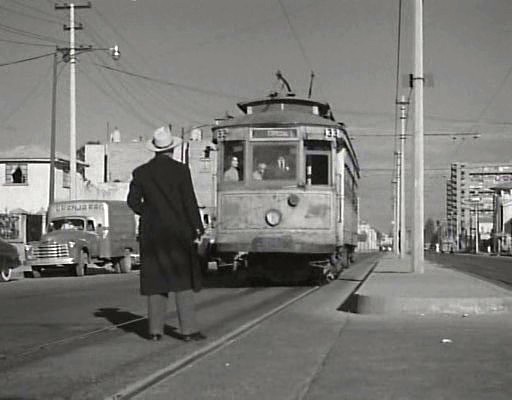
(287, 179)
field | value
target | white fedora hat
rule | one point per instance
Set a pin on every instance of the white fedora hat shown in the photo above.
(163, 140)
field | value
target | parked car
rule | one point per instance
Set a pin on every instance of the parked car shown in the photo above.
(9, 260)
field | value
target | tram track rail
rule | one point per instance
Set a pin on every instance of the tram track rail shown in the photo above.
(41, 350)
(353, 279)
(70, 371)
(203, 352)
(229, 317)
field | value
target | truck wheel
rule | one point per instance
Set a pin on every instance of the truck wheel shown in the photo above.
(5, 275)
(81, 267)
(125, 263)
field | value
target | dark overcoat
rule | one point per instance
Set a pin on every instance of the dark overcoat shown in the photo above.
(161, 192)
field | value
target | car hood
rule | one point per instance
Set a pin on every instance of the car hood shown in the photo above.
(64, 236)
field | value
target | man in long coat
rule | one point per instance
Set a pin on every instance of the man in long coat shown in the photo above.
(161, 192)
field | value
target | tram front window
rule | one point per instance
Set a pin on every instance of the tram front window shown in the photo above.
(233, 161)
(273, 161)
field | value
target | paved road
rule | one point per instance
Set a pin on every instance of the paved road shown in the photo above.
(494, 269)
(60, 335)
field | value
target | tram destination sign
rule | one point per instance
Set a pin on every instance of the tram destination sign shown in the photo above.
(274, 133)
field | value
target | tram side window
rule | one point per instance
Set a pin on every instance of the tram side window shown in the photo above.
(318, 155)
(272, 161)
(233, 161)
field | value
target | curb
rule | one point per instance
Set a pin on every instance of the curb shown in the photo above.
(400, 305)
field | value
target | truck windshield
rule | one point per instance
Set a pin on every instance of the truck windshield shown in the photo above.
(65, 224)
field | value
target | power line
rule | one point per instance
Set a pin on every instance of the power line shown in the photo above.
(169, 83)
(29, 34)
(297, 39)
(26, 59)
(27, 43)
(131, 85)
(133, 111)
(53, 21)
(36, 9)
(31, 94)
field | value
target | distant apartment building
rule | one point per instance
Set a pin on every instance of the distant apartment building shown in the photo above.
(470, 200)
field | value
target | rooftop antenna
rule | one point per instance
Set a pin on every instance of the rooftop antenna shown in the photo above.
(312, 76)
(280, 77)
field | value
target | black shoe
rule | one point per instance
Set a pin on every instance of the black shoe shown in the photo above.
(193, 337)
(155, 337)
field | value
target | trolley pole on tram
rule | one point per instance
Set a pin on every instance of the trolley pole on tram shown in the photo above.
(418, 80)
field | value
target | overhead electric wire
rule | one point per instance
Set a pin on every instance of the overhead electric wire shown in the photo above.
(131, 86)
(31, 94)
(169, 83)
(134, 112)
(32, 8)
(52, 21)
(27, 59)
(27, 43)
(298, 41)
(29, 34)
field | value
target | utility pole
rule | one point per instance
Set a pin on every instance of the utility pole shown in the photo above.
(396, 205)
(72, 90)
(477, 233)
(52, 132)
(403, 119)
(418, 79)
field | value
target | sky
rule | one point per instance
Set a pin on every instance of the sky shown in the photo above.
(187, 62)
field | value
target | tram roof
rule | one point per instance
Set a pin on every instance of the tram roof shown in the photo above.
(278, 118)
(323, 108)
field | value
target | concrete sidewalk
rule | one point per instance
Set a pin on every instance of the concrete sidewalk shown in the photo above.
(393, 288)
(410, 343)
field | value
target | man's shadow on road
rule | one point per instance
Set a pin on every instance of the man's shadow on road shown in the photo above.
(131, 323)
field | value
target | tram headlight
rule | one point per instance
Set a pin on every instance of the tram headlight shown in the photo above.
(273, 217)
(293, 200)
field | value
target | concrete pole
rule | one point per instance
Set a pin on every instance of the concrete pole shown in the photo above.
(396, 206)
(403, 120)
(72, 105)
(418, 220)
(51, 189)
(477, 222)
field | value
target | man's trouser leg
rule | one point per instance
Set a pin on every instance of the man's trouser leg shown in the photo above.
(185, 309)
(157, 310)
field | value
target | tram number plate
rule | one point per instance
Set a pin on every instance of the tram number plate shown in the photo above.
(272, 243)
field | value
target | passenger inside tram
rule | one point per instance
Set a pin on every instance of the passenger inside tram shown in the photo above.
(274, 162)
(259, 173)
(232, 174)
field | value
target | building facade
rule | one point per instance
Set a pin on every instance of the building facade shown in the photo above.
(503, 218)
(367, 238)
(110, 165)
(470, 200)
